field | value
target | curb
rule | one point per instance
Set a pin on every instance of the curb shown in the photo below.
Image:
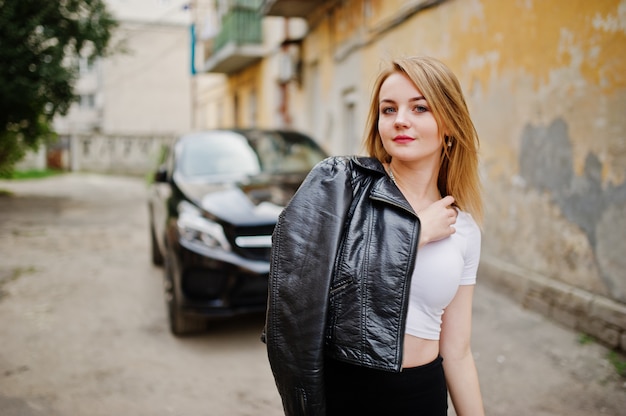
(577, 309)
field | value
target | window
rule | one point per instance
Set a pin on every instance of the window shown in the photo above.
(87, 101)
(84, 66)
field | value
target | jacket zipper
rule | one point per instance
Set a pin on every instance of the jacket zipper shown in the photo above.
(341, 286)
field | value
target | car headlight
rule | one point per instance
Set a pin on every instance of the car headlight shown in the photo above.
(193, 227)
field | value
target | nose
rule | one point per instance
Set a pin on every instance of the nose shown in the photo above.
(400, 120)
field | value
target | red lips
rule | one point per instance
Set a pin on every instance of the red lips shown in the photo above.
(403, 139)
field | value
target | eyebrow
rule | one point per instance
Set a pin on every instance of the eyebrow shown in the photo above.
(387, 100)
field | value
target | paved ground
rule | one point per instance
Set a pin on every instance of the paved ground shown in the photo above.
(83, 328)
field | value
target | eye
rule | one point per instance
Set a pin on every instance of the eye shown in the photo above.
(387, 110)
(421, 108)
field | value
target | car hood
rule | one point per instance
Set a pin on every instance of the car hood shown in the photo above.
(254, 200)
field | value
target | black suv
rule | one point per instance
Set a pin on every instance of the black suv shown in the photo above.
(213, 206)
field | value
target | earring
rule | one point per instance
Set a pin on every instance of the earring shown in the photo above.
(449, 143)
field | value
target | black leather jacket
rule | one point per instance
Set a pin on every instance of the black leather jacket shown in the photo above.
(342, 257)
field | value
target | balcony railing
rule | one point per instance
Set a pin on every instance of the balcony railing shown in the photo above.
(240, 40)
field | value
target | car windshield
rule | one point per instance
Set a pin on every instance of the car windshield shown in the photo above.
(218, 154)
(285, 152)
(229, 153)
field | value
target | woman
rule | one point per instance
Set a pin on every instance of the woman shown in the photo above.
(371, 252)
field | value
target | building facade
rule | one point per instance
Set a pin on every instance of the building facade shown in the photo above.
(133, 100)
(546, 85)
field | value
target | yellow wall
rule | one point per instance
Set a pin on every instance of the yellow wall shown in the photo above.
(546, 85)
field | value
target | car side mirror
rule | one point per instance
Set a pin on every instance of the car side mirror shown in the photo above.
(160, 176)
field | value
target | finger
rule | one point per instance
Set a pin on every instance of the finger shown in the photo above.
(447, 200)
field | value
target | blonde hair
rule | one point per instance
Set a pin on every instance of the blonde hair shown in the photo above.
(458, 171)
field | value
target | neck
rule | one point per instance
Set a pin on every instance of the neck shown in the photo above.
(420, 183)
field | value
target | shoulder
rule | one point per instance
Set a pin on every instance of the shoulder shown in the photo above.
(349, 165)
(332, 164)
(467, 226)
(368, 164)
(362, 162)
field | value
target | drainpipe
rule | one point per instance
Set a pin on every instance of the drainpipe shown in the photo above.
(284, 84)
(193, 82)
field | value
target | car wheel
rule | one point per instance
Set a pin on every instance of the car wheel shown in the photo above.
(179, 322)
(157, 256)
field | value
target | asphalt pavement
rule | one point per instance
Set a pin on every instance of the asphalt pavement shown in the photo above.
(527, 364)
(530, 365)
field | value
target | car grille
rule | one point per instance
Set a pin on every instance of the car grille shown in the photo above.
(253, 242)
(198, 283)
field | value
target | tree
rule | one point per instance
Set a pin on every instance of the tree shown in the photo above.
(39, 43)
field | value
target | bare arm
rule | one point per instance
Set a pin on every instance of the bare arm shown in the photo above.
(458, 362)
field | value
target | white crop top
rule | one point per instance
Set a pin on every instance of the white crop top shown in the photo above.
(440, 268)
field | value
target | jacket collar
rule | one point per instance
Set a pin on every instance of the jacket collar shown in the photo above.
(370, 163)
(383, 188)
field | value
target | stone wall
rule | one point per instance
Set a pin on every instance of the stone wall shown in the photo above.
(119, 154)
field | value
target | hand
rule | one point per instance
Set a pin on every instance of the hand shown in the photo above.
(437, 220)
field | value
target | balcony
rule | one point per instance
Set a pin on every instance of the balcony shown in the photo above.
(239, 43)
(289, 8)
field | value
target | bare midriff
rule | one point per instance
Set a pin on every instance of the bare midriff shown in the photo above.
(419, 351)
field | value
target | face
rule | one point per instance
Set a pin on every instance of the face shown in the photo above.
(407, 127)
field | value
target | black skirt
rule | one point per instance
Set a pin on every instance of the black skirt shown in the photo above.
(357, 390)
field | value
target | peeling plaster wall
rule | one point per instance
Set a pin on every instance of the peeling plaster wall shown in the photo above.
(546, 86)
(546, 82)
(597, 210)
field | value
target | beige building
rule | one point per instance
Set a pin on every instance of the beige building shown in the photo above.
(546, 85)
(146, 88)
(134, 100)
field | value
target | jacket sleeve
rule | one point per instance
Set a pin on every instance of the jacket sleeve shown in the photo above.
(305, 242)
